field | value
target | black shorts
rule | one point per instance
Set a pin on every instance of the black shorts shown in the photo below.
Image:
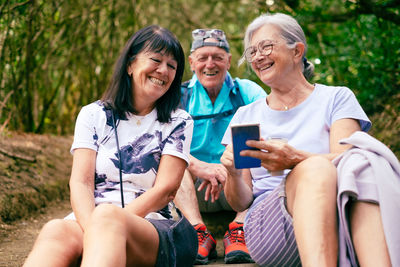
(178, 242)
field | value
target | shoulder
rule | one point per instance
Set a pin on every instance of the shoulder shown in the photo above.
(334, 90)
(180, 115)
(245, 83)
(94, 109)
(190, 83)
(252, 107)
(250, 89)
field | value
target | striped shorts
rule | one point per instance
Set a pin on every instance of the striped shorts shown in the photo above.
(269, 232)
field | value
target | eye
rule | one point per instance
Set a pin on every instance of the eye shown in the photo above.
(265, 47)
(155, 59)
(251, 51)
(202, 59)
(218, 58)
(172, 66)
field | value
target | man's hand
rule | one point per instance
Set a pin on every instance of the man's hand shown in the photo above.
(214, 177)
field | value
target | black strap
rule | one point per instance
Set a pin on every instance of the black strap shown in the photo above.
(236, 100)
(119, 161)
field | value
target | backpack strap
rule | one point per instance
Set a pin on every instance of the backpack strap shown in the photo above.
(236, 100)
(186, 94)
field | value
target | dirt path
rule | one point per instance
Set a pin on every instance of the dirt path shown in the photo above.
(16, 240)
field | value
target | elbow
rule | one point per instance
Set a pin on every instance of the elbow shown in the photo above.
(168, 193)
(171, 195)
(238, 204)
(238, 207)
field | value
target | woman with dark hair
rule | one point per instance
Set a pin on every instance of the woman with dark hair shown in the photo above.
(130, 150)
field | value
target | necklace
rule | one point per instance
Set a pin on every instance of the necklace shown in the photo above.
(287, 106)
(138, 121)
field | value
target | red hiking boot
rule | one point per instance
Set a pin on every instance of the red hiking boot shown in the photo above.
(207, 245)
(235, 247)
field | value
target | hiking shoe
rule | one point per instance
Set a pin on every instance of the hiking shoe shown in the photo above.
(235, 247)
(207, 245)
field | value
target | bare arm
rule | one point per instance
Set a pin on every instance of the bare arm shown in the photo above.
(279, 156)
(168, 180)
(82, 184)
(238, 187)
(213, 176)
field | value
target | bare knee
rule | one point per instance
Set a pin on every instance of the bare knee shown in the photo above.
(61, 231)
(59, 243)
(107, 216)
(315, 172)
(315, 176)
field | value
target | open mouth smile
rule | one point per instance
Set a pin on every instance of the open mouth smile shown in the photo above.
(210, 74)
(265, 67)
(156, 81)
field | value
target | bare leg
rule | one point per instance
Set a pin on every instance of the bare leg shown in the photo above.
(367, 235)
(186, 200)
(240, 216)
(117, 238)
(311, 200)
(59, 244)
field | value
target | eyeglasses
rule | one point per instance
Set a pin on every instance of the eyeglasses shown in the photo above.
(265, 48)
(203, 34)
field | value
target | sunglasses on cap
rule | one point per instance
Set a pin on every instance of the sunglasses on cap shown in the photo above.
(199, 35)
(213, 33)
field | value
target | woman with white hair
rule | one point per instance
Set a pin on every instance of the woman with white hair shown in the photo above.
(293, 217)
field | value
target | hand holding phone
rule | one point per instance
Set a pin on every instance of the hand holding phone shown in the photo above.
(240, 134)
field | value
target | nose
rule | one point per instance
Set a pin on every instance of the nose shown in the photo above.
(258, 55)
(210, 61)
(163, 68)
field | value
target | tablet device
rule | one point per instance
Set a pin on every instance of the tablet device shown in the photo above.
(240, 134)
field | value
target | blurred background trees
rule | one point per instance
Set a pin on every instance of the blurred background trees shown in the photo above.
(56, 56)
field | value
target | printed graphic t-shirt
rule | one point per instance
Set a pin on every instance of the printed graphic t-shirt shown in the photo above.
(142, 141)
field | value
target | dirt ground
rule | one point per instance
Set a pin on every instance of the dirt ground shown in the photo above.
(17, 238)
(34, 173)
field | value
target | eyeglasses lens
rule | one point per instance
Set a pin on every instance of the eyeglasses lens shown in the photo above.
(264, 47)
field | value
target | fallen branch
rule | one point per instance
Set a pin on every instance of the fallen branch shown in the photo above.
(15, 156)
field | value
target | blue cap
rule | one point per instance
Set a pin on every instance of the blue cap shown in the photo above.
(199, 35)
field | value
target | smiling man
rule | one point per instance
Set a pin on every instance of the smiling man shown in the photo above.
(212, 96)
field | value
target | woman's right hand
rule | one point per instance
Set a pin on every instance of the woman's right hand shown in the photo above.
(274, 155)
(238, 187)
(228, 161)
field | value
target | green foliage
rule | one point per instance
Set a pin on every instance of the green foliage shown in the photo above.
(56, 56)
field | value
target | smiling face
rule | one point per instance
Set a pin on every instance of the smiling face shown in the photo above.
(210, 63)
(278, 66)
(152, 75)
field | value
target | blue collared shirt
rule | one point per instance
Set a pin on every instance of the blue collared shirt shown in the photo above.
(207, 133)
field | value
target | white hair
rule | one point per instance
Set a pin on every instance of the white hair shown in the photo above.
(290, 31)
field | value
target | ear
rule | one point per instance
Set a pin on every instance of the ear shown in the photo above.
(299, 52)
(229, 60)
(129, 69)
(190, 58)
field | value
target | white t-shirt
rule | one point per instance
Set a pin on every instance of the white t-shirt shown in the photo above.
(306, 126)
(141, 149)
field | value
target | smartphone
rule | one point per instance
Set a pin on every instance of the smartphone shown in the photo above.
(240, 134)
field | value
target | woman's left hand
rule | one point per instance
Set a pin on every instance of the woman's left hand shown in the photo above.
(274, 155)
